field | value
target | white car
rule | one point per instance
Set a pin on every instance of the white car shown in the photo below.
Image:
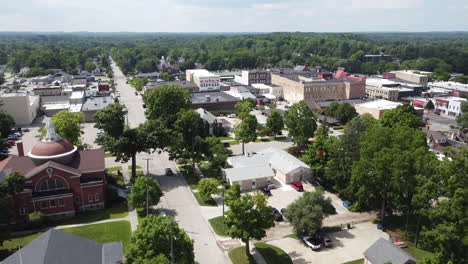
(231, 115)
(313, 242)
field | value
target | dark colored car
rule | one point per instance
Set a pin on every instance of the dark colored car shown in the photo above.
(278, 215)
(226, 144)
(144, 105)
(266, 191)
(326, 240)
(297, 186)
(11, 142)
(136, 93)
(169, 172)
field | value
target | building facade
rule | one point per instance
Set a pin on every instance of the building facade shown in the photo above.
(386, 93)
(450, 106)
(21, 106)
(60, 179)
(420, 78)
(254, 76)
(204, 79)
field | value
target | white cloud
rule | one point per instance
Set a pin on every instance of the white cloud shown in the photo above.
(386, 4)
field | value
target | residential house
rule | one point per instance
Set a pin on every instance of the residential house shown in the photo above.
(61, 180)
(250, 178)
(215, 127)
(384, 251)
(58, 247)
(286, 167)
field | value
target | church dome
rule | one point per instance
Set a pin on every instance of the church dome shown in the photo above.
(52, 147)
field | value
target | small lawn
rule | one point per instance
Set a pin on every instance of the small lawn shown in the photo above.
(357, 261)
(103, 233)
(108, 155)
(118, 210)
(218, 225)
(203, 202)
(137, 167)
(238, 256)
(293, 236)
(272, 254)
(225, 138)
(418, 253)
(191, 179)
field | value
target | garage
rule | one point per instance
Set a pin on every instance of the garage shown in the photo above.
(249, 178)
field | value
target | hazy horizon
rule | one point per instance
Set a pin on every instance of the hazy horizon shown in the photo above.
(241, 16)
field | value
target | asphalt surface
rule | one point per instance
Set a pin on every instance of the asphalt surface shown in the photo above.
(178, 200)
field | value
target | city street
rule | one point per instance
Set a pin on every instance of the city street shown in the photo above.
(178, 200)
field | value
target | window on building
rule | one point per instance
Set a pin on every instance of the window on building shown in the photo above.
(90, 198)
(53, 203)
(77, 199)
(23, 211)
(43, 204)
(96, 197)
(61, 202)
(51, 184)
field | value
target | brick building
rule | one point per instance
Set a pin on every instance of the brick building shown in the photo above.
(60, 179)
(308, 86)
(254, 76)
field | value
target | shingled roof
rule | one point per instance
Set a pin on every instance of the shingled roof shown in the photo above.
(383, 251)
(58, 247)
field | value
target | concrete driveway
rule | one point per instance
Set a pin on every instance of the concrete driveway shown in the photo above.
(348, 245)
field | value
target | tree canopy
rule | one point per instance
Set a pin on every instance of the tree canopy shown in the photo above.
(301, 123)
(69, 126)
(143, 188)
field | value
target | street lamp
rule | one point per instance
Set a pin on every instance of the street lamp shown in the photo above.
(147, 176)
(172, 246)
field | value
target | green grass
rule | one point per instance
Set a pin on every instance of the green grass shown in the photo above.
(117, 168)
(357, 261)
(108, 155)
(218, 225)
(238, 256)
(118, 179)
(118, 210)
(418, 253)
(191, 179)
(137, 167)
(225, 138)
(272, 254)
(103, 233)
(293, 236)
(203, 202)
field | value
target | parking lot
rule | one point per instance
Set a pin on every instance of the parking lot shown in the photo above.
(348, 245)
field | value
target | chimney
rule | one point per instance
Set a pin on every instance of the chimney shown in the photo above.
(19, 146)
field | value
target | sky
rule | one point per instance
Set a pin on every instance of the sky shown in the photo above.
(233, 16)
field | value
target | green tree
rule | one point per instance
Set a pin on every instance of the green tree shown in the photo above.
(165, 76)
(216, 156)
(275, 122)
(12, 185)
(403, 115)
(244, 107)
(111, 119)
(6, 124)
(301, 123)
(146, 65)
(246, 130)
(138, 83)
(189, 143)
(318, 154)
(89, 65)
(307, 212)
(154, 236)
(68, 126)
(16, 85)
(143, 188)
(165, 102)
(207, 187)
(248, 218)
(345, 112)
(232, 194)
(2, 79)
(463, 119)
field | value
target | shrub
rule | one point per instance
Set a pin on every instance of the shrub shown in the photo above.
(36, 219)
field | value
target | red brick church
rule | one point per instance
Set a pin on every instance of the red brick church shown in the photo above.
(61, 180)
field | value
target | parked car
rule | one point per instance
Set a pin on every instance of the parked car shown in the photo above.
(11, 142)
(266, 191)
(326, 240)
(168, 172)
(314, 243)
(316, 182)
(226, 144)
(136, 93)
(231, 115)
(271, 186)
(278, 215)
(144, 105)
(25, 129)
(297, 186)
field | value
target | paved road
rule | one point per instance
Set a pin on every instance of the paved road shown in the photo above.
(179, 202)
(178, 199)
(134, 103)
(439, 122)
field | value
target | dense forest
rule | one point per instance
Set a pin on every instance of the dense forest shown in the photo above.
(437, 51)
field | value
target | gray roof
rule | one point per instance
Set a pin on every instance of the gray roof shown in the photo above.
(278, 159)
(181, 84)
(205, 115)
(383, 251)
(58, 247)
(96, 103)
(249, 173)
(213, 97)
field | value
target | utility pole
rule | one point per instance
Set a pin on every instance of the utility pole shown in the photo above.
(147, 176)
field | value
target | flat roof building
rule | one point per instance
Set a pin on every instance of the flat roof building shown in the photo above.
(22, 107)
(214, 101)
(205, 80)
